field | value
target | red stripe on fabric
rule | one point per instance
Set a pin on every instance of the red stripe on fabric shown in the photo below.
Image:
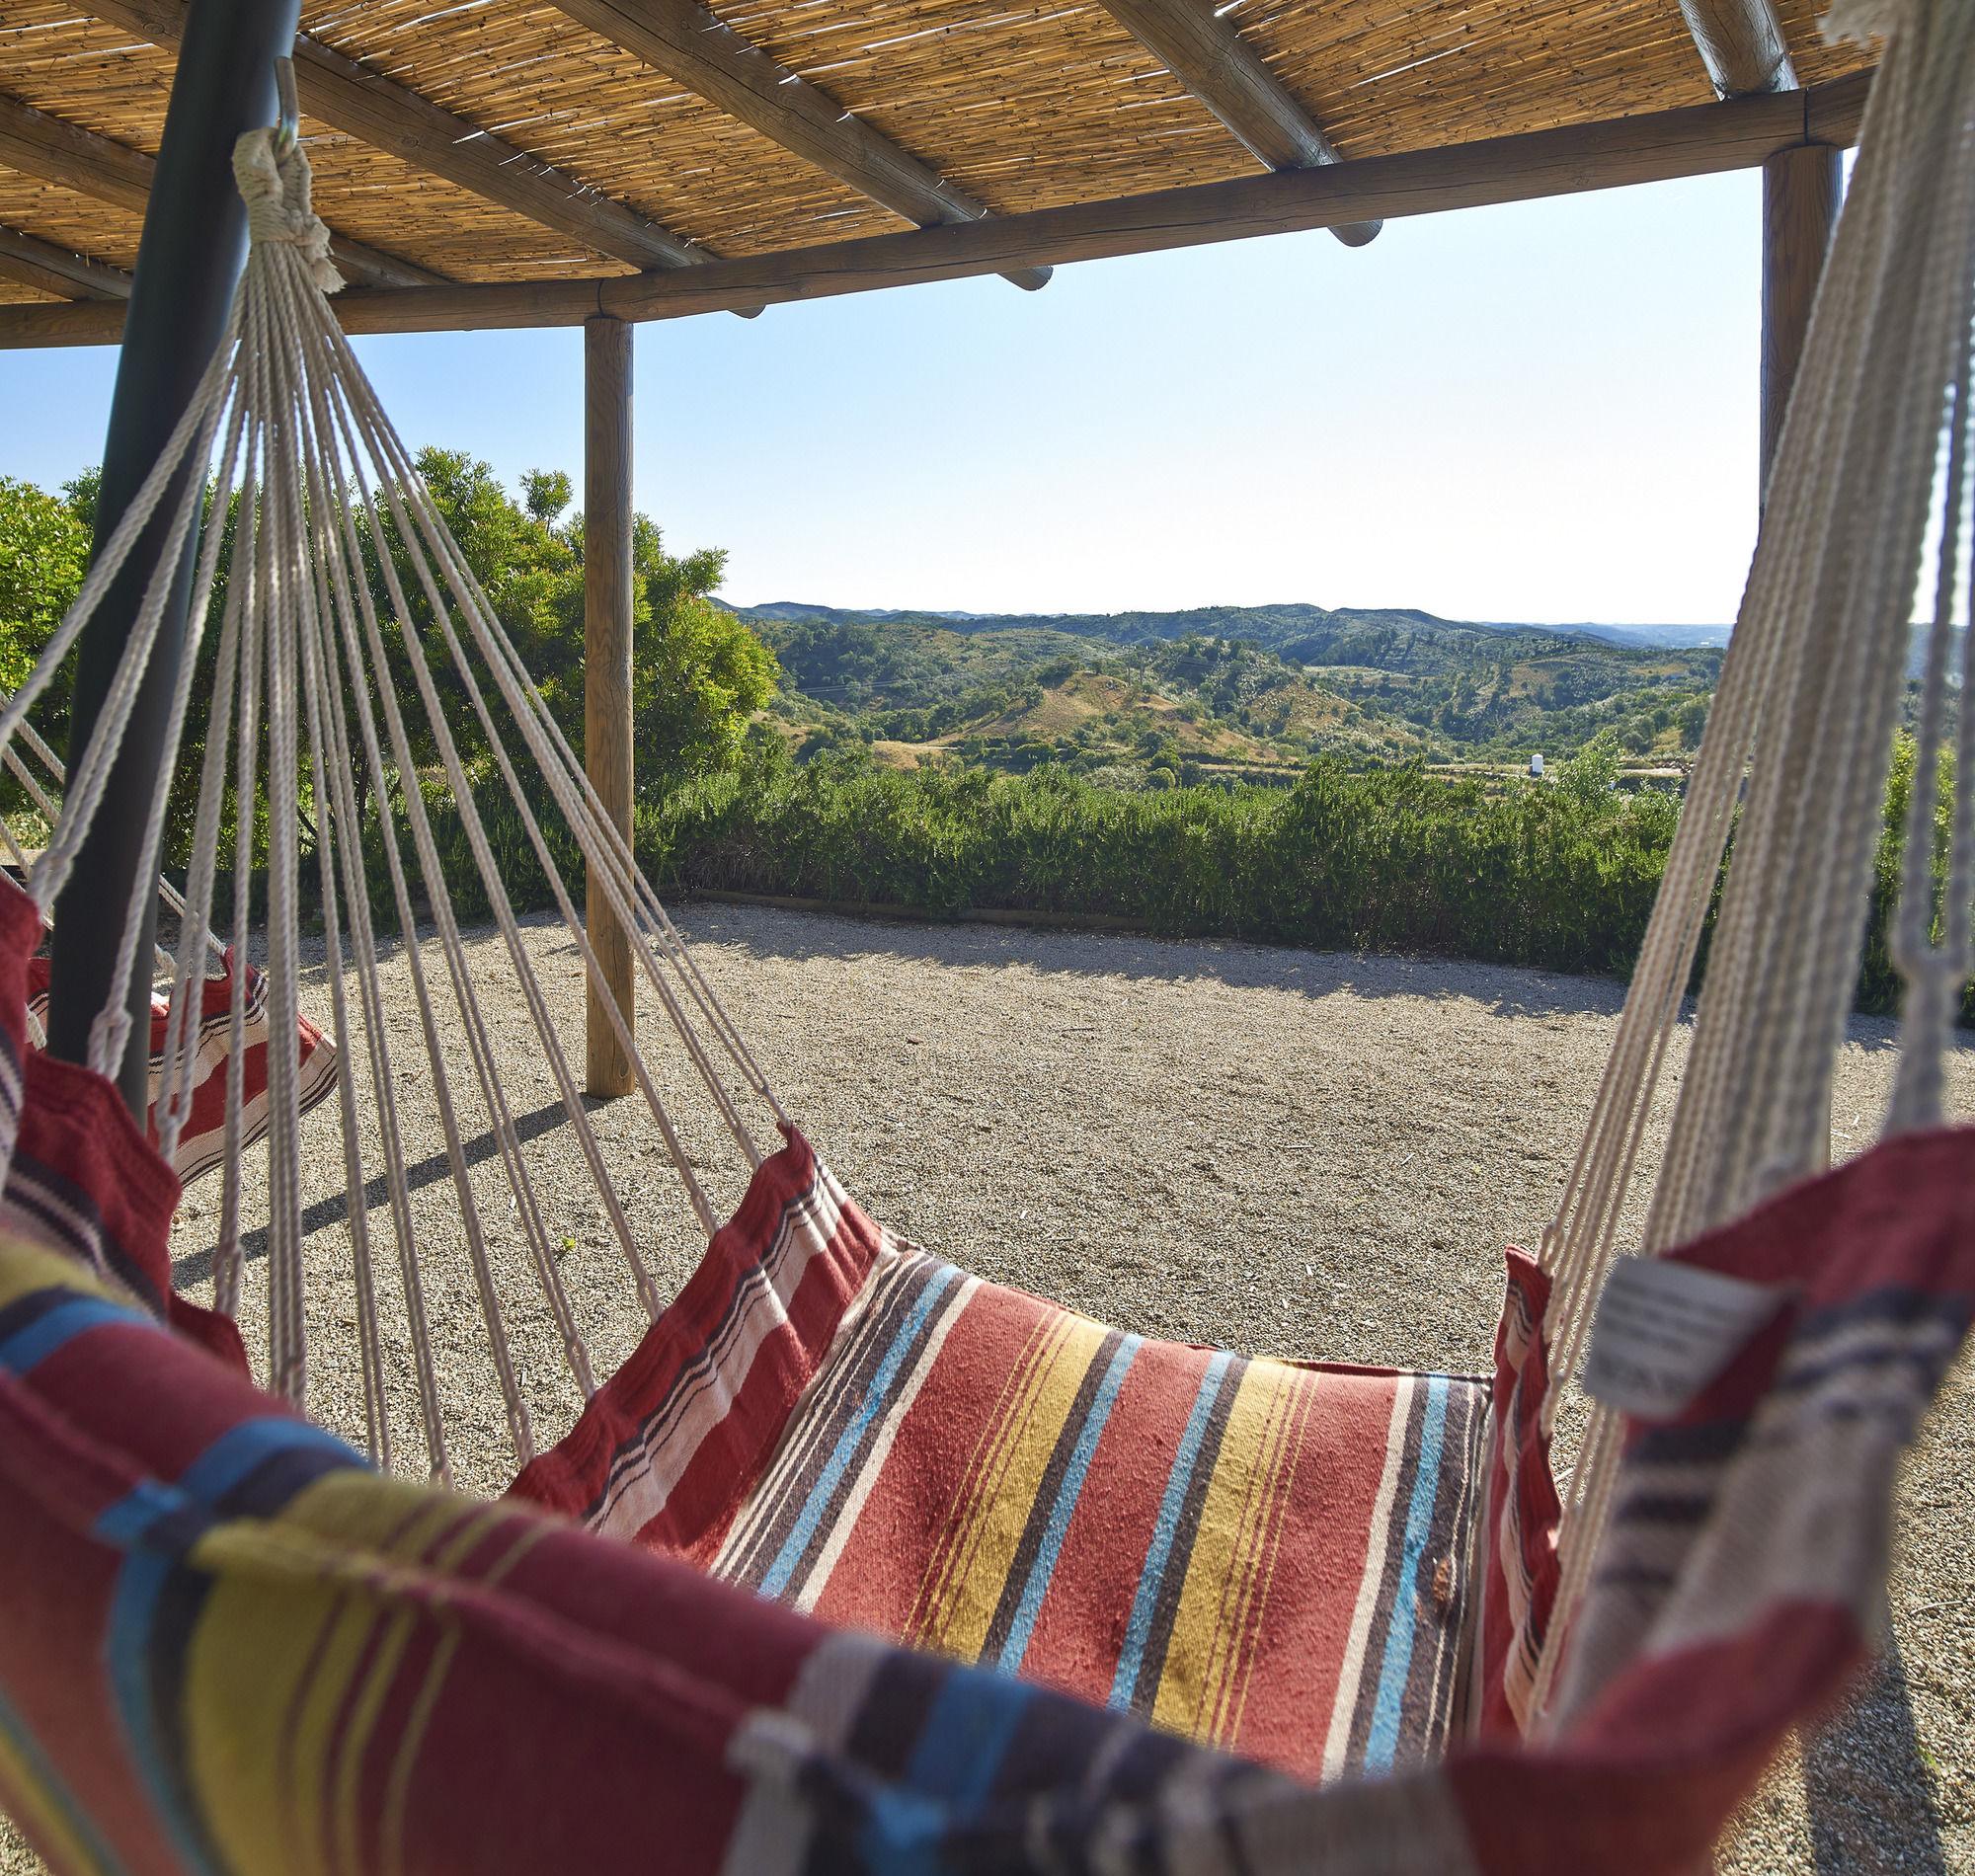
(1521, 1494)
(600, 1780)
(899, 1547)
(56, 1587)
(20, 933)
(1325, 1530)
(76, 1127)
(1651, 1775)
(1899, 1216)
(573, 1476)
(113, 1378)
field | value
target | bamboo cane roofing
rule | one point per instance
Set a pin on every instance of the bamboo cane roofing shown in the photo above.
(1022, 106)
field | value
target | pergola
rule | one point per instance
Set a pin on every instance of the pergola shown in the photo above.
(518, 163)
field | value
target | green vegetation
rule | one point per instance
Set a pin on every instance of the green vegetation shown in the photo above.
(1284, 774)
(700, 674)
(1386, 859)
(1559, 875)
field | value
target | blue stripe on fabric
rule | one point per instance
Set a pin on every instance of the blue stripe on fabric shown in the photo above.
(127, 1650)
(967, 1734)
(1383, 1737)
(1069, 1490)
(130, 1638)
(876, 1400)
(39, 1338)
(1165, 1530)
(55, 1795)
(246, 1446)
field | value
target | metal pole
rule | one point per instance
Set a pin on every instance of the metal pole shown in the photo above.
(194, 246)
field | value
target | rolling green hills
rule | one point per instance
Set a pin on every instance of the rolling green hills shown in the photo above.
(1239, 693)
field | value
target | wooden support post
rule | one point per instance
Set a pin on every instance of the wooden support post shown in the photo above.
(1802, 187)
(607, 664)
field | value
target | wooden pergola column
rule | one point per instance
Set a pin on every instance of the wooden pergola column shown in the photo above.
(1802, 189)
(608, 597)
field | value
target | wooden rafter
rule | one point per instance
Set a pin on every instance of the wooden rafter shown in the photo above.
(1198, 45)
(1742, 44)
(1657, 146)
(689, 43)
(51, 269)
(392, 118)
(57, 151)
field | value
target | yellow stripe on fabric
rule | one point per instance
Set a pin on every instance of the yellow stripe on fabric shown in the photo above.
(25, 1268)
(343, 1754)
(1223, 1679)
(1290, 1424)
(1006, 1496)
(273, 1658)
(949, 1555)
(1204, 1649)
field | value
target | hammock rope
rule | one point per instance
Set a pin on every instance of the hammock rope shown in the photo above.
(1792, 769)
(1794, 761)
(325, 491)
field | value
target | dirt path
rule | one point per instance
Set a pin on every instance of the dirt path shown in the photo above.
(1307, 1154)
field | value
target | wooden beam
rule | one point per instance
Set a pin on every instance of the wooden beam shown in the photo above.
(38, 144)
(1199, 46)
(1801, 190)
(1613, 153)
(687, 43)
(393, 118)
(608, 599)
(1742, 44)
(51, 269)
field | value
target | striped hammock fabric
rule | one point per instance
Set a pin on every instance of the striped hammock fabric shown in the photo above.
(1264, 1556)
(80, 1177)
(202, 1140)
(230, 1646)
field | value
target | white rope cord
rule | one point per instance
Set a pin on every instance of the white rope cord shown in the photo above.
(579, 805)
(1934, 972)
(481, 1050)
(321, 499)
(490, 876)
(334, 602)
(1800, 733)
(560, 767)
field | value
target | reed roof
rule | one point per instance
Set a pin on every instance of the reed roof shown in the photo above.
(1017, 106)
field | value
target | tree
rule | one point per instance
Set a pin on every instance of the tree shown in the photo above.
(545, 492)
(44, 554)
(698, 675)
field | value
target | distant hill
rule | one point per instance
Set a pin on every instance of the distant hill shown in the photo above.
(1275, 628)
(1252, 690)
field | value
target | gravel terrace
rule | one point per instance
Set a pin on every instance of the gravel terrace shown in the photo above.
(1308, 1155)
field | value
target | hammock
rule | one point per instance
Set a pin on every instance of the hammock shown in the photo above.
(202, 1140)
(1334, 1572)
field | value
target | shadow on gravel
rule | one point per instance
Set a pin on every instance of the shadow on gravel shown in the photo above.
(197, 1266)
(1866, 1784)
(802, 936)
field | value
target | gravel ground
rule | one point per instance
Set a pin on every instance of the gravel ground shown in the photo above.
(1302, 1154)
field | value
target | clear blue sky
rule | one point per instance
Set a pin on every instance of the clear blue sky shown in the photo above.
(1544, 413)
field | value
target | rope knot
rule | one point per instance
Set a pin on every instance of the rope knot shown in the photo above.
(277, 192)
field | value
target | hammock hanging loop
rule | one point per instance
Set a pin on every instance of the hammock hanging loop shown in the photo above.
(277, 186)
